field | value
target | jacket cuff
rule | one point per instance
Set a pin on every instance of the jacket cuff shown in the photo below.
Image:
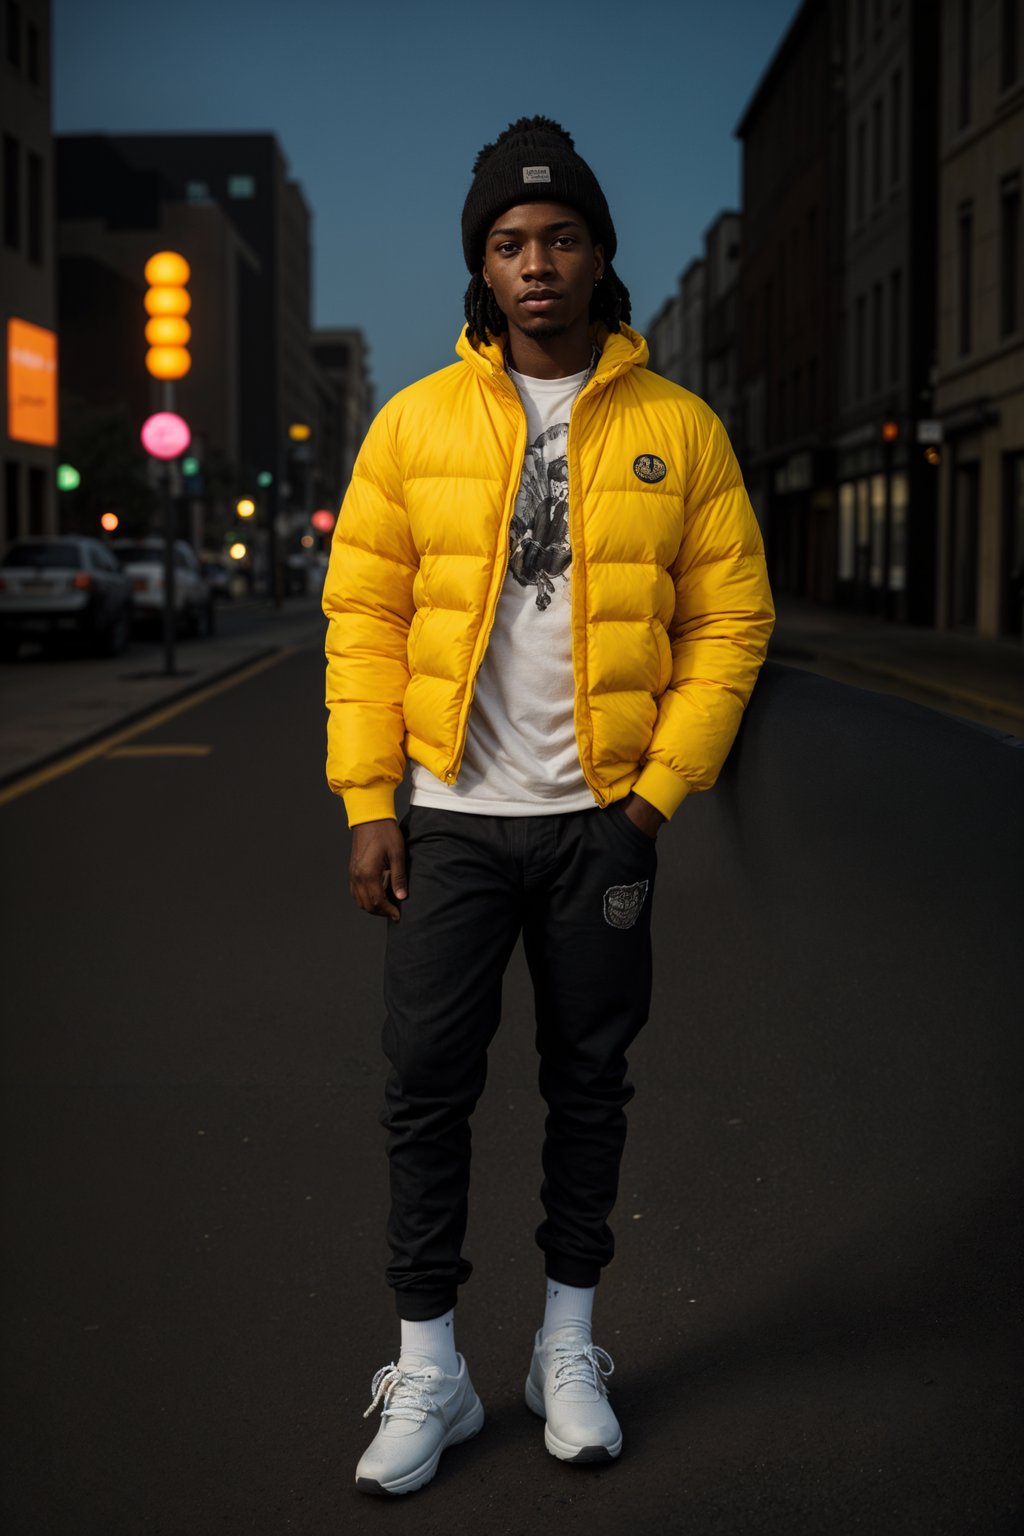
(662, 788)
(374, 802)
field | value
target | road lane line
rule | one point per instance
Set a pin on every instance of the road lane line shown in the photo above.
(167, 750)
(106, 744)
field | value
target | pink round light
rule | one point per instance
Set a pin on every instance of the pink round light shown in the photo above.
(323, 521)
(165, 435)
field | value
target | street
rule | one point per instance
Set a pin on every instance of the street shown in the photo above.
(813, 1311)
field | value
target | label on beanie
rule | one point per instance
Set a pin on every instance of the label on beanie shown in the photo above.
(536, 173)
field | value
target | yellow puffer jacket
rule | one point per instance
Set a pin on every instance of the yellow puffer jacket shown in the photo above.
(671, 610)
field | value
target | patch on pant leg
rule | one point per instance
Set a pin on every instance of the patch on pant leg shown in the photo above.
(622, 904)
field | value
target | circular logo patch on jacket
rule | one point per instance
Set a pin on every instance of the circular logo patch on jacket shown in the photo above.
(647, 466)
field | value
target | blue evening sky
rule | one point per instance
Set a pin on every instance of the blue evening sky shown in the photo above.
(381, 107)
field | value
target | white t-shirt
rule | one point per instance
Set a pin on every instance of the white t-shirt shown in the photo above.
(521, 757)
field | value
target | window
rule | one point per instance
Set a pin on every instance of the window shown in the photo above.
(858, 349)
(1009, 51)
(33, 61)
(197, 193)
(35, 209)
(845, 566)
(965, 243)
(860, 170)
(898, 497)
(877, 150)
(13, 34)
(876, 338)
(241, 186)
(895, 326)
(877, 530)
(12, 193)
(963, 114)
(1009, 255)
(896, 128)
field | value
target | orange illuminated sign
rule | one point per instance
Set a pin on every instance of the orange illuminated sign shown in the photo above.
(31, 384)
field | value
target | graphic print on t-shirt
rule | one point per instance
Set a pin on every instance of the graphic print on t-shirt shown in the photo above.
(539, 552)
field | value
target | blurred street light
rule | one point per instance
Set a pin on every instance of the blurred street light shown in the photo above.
(167, 303)
(299, 432)
(68, 478)
(322, 520)
(110, 522)
(264, 479)
(246, 507)
(238, 551)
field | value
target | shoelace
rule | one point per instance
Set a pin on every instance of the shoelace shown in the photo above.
(402, 1398)
(587, 1363)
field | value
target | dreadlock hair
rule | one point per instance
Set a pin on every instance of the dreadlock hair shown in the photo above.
(609, 306)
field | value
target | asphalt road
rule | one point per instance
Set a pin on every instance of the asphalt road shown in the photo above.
(813, 1312)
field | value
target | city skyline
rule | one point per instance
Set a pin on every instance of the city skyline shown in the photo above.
(395, 267)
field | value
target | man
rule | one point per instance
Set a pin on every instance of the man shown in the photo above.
(547, 590)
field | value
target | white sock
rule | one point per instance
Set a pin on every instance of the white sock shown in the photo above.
(433, 1340)
(568, 1306)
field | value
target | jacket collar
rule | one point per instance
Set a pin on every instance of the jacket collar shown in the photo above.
(620, 351)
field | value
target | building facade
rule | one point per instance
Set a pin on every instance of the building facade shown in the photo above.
(979, 383)
(793, 179)
(887, 484)
(722, 265)
(28, 391)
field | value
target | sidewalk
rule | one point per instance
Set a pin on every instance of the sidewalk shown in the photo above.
(978, 680)
(51, 705)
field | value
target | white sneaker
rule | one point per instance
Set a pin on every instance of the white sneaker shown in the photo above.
(566, 1387)
(424, 1411)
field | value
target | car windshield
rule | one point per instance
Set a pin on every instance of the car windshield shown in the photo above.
(139, 554)
(44, 556)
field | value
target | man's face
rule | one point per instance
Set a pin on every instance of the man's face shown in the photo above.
(541, 265)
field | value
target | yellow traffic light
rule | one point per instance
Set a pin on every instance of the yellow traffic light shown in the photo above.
(167, 303)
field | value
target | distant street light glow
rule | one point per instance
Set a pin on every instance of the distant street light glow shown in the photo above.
(264, 478)
(109, 522)
(68, 478)
(246, 507)
(322, 520)
(299, 432)
(307, 541)
(238, 551)
(165, 435)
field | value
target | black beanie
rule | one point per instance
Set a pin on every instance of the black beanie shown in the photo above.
(533, 161)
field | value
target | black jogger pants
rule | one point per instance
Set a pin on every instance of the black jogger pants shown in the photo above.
(578, 886)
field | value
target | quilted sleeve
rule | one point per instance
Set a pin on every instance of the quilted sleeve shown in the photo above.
(368, 600)
(720, 629)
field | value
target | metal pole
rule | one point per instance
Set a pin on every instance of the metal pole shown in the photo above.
(169, 531)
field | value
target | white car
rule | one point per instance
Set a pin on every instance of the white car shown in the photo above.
(143, 561)
(62, 587)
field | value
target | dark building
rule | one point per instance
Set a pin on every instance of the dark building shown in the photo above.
(28, 379)
(790, 281)
(887, 487)
(245, 178)
(721, 301)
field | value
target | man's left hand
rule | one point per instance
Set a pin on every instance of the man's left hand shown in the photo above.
(644, 816)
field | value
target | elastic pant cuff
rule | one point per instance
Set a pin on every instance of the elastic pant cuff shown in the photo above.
(570, 1271)
(424, 1306)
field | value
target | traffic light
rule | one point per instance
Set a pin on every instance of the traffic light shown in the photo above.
(167, 303)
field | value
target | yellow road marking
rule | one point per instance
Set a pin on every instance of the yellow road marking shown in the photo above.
(168, 749)
(106, 745)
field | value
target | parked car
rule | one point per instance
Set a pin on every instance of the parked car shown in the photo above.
(217, 578)
(143, 560)
(63, 587)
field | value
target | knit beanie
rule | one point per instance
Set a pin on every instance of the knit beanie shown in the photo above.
(533, 161)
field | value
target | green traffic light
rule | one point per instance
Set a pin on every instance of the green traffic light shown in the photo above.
(190, 466)
(68, 478)
(264, 478)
